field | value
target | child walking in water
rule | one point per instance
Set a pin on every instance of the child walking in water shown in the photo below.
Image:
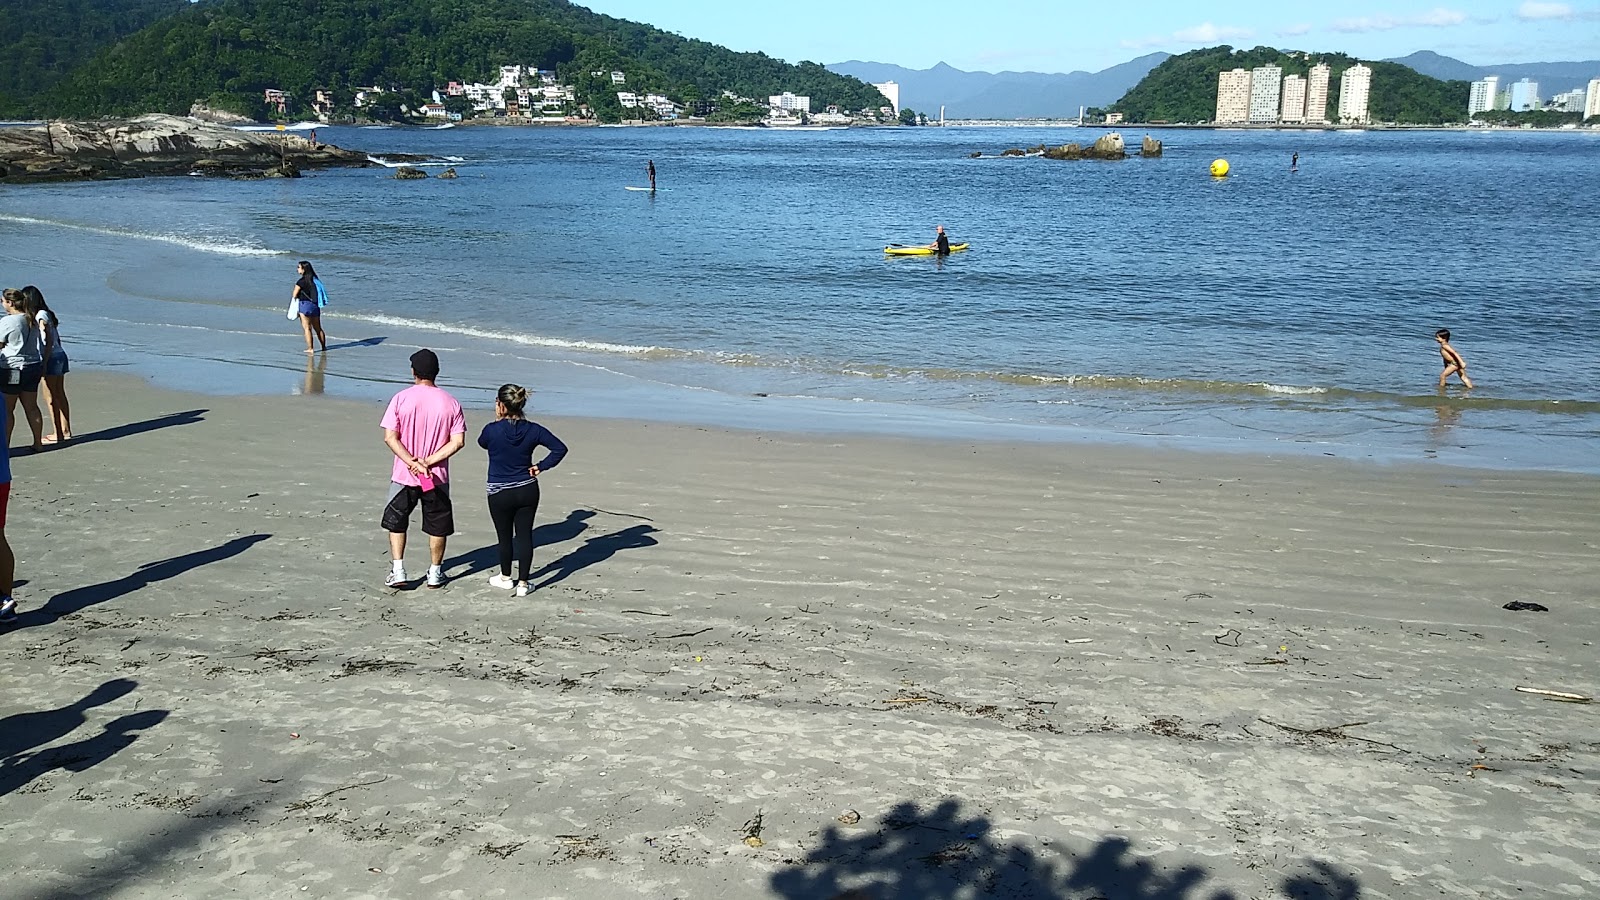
(1453, 363)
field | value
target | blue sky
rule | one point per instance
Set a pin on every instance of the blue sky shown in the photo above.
(1043, 36)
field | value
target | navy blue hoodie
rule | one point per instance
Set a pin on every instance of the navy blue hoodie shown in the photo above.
(511, 443)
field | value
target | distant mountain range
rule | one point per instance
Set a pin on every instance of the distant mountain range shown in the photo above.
(1003, 95)
(1553, 77)
(1030, 95)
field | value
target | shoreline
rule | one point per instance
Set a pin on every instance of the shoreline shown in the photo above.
(1121, 666)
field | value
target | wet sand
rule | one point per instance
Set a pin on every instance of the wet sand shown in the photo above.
(909, 668)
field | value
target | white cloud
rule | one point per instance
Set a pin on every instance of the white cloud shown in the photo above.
(1438, 17)
(1534, 9)
(1204, 33)
(1294, 30)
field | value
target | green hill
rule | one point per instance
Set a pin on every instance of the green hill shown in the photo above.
(42, 40)
(229, 51)
(1184, 88)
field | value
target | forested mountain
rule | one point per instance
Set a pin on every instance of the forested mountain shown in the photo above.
(42, 40)
(1184, 88)
(229, 51)
(1553, 77)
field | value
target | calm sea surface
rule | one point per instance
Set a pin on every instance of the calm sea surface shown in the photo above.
(1139, 301)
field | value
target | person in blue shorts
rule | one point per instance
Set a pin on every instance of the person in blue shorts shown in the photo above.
(307, 295)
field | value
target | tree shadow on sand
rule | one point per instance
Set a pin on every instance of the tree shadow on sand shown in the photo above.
(485, 558)
(913, 854)
(20, 736)
(596, 550)
(68, 602)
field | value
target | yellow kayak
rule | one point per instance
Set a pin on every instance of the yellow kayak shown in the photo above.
(919, 250)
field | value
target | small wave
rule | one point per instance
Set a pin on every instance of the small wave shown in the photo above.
(440, 127)
(223, 246)
(298, 126)
(391, 164)
(1292, 389)
(532, 340)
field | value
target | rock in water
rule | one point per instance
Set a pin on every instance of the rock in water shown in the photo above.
(1108, 146)
(449, 173)
(1150, 147)
(407, 173)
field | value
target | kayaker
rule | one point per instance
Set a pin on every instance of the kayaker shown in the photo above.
(941, 243)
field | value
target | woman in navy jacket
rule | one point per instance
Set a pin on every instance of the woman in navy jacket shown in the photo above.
(514, 481)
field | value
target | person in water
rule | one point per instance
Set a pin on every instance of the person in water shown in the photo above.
(1294, 161)
(308, 296)
(941, 242)
(650, 169)
(1453, 363)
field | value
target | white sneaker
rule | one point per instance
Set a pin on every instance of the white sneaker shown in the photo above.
(522, 589)
(435, 577)
(501, 582)
(395, 579)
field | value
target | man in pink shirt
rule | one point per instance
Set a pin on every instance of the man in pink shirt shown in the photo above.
(424, 427)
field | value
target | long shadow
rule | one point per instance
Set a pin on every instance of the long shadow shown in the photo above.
(364, 342)
(68, 602)
(485, 558)
(79, 756)
(187, 417)
(25, 731)
(913, 854)
(596, 550)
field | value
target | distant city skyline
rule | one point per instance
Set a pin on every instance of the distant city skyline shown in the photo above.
(1034, 35)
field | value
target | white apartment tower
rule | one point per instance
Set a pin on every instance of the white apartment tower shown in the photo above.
(1294, 99)
(1265, 82)
(1317, 94)
(1355, 89)
(1591, 103)
(1524, 95)
(891, 93)
(1483, 95)
(1233, 97)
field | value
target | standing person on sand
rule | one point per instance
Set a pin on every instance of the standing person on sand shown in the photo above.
(55, 364)
(8, 562)
(514, 481)
(24, 366)
(1453, 363)
(310, 296)
(423, 427)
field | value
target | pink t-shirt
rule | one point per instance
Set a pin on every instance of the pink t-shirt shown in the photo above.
(426, 418)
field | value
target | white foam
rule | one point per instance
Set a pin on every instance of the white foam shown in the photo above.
(443, 161)
(223, 246)
(298, 126)
(1271, 388)
(531, 340)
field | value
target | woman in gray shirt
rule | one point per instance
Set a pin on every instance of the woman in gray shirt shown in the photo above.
(24, 366)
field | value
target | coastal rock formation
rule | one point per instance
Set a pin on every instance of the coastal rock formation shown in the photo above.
(1108, 146)
(157, 145)
(1149, 147)
(449, 173)
(407, 173)
(205, 113)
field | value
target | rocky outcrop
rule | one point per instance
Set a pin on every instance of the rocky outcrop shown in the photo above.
(407, 173)
(1149, 148)
(449, 173)
(205, 113)
(158, 145)
(1108, 146)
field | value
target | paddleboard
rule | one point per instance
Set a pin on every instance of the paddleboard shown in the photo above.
(647, 190)
(294, 310)
(898, 250)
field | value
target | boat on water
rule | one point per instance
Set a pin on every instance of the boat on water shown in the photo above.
(918, 249)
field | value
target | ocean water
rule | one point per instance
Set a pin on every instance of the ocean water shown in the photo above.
(1138, 301)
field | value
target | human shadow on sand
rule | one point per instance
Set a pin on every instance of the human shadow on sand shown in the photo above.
(68, 602)
(187, 417)
(364, 342)
(912, 853)
(596, 550)
(21, 736)
(485, 558)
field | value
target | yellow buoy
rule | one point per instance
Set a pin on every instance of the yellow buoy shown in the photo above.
(1219, 168)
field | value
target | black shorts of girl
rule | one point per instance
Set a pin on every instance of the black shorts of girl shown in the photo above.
(438, 518)
(21, 381)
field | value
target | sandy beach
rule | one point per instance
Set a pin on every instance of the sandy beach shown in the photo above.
(770, 666)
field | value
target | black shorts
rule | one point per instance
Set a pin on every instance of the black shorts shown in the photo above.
(21, 381)
(438, 518)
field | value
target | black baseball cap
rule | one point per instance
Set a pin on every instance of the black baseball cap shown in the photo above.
(425, 364)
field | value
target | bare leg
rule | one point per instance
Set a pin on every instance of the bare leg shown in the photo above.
(305, 326)
(8, 566)
(1464, 379)
(11, 417)
(316, 324)
(397, 545)
(60, 410)
(436, 549)
(30, 408)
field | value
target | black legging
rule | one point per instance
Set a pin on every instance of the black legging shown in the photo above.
(512, 511)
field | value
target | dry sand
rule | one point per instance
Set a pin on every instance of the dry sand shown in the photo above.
(1035, 671)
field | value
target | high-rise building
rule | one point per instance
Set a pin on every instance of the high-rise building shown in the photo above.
(1317, 94)
(1265, 82)
(1355, 89)
(1524, 95)
(890, 92)
(1591, 103)
(1233, 97)
(1483, 96)
(1568, 101)
(1294, 99)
